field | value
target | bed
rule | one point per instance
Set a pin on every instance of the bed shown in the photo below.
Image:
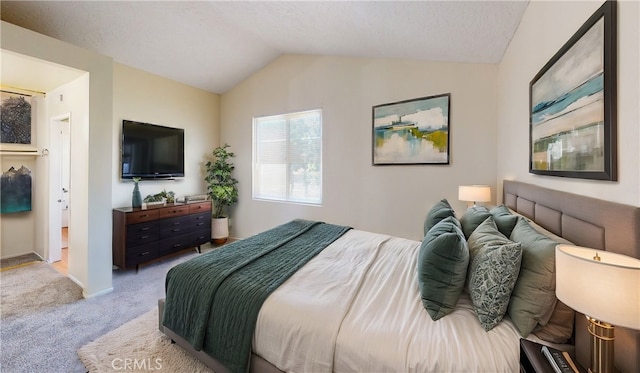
(356, 306)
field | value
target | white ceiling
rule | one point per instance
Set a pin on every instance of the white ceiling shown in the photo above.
(214, 45)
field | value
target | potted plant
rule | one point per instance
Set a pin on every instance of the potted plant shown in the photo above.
(222, 189)
(161, 198)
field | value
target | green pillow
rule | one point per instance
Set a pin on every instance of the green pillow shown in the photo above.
(494, 265)
(438, 212)
(504, 219)
(442, 267)
(473, 218)
(534, 295)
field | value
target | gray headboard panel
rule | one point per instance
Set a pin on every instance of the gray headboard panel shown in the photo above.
(586, 222)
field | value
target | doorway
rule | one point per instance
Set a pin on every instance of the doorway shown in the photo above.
(60, 192)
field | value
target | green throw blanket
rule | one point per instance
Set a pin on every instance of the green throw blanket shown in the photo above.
(213, 300)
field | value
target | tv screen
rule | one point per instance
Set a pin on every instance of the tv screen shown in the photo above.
(150, 151)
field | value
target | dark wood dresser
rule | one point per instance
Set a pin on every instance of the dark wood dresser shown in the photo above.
(141, 235)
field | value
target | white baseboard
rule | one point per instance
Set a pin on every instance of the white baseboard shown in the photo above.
(101, 292)
(21, 254)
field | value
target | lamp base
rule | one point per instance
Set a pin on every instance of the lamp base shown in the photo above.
(601, 341)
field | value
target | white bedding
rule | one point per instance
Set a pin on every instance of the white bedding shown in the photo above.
(357, 307)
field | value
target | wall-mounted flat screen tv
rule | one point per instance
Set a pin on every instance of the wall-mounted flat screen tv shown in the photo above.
(150, 151)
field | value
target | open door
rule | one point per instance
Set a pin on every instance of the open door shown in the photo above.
(59, 148)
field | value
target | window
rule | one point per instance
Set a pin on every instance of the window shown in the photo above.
(287, 157)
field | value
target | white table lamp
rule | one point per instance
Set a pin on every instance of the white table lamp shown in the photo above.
(605, 287)
(474, 193)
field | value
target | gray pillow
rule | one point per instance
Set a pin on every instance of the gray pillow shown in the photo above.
(533, 298)
(472, 218)
(442, 267)
(493, 270)
(438, 212)
(505, 220)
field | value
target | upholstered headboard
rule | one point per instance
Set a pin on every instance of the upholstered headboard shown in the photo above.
(586, 222)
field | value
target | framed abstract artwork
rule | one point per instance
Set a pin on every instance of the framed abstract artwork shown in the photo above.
(572, 102)
(16, 114)
(15, 190)
(413, 131)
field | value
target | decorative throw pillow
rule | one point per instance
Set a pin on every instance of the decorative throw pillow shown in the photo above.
(505, 220)
(438, 212)
(442, 267)
(472, 218)
(559, 329)
(493, 270)
(534, 296)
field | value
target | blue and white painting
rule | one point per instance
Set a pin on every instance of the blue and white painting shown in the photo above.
(15, 190)
(412, 132)
(567, 109)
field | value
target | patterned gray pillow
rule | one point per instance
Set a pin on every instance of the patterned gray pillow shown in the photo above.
(493, 272)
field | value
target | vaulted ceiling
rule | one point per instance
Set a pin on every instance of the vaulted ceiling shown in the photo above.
(214, 45)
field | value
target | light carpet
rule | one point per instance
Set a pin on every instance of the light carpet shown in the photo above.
(138, 345)
(39, 287)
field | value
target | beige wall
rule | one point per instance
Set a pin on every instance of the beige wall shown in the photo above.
(94, 273)
(544, 28)
(98, 102)
(75, 104)
(387, 199)
(144, 97)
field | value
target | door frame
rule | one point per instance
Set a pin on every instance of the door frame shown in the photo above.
(54, 223)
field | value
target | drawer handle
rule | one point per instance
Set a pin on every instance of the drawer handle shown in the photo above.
(176, 230)
(199, 224)
(144, 216)
(177, 223)
(144, 253)
(177, 245)
(200, 217)
(144, 229)
(144, 237)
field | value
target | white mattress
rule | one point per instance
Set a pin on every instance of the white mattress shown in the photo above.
(357, 307)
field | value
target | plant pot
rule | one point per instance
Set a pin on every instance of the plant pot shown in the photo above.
(219, 230)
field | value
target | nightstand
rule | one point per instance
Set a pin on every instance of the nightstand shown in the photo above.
(532, 360)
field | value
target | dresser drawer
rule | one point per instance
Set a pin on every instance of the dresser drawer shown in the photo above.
(174, 226)
(138, 234)
(200, 221)
(142, 216)
(173, 244)
(142, 253)
(199, 207)
(169, 212)
(200, 237)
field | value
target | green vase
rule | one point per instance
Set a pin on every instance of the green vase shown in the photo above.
(136, 199)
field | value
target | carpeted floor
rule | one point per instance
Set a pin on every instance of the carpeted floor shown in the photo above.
(47, 338)
(39, 287)
(138, 343)
(19, 260)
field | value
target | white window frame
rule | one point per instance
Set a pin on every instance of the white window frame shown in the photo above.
(255, 162)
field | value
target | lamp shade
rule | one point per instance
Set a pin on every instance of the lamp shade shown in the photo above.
(607, 290)
(474, 193)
